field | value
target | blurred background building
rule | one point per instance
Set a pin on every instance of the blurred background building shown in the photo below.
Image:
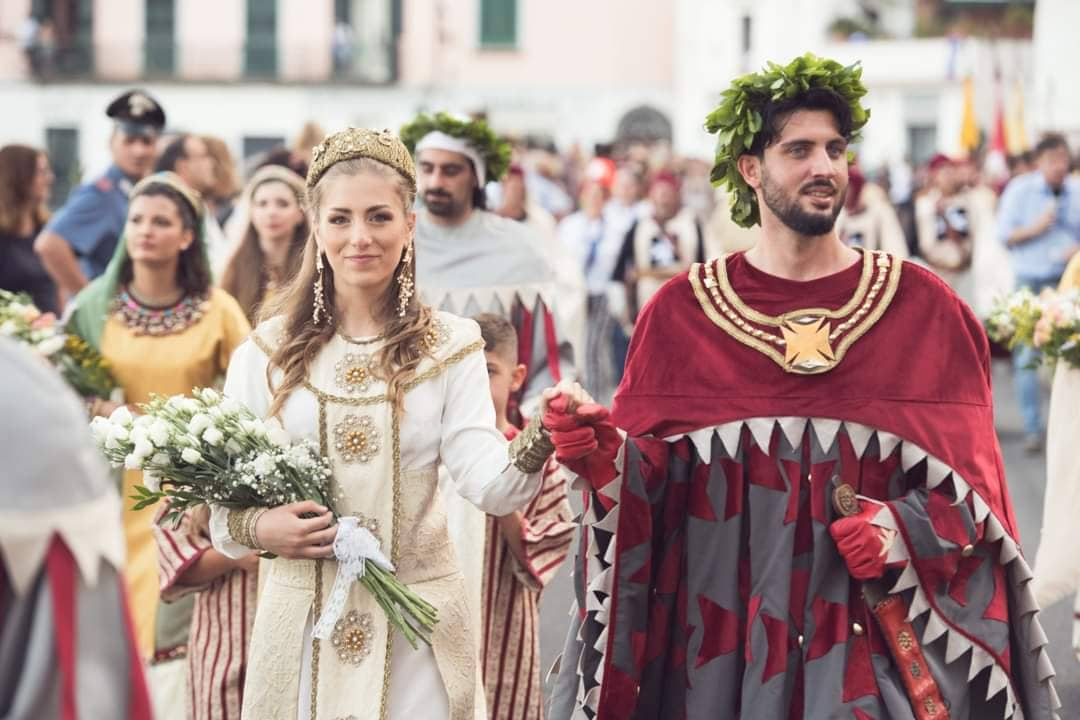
(572, 71)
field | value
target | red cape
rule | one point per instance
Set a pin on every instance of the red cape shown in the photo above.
(922, 372)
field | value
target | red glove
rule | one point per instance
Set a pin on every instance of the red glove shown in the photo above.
(585, 441)
(861, 544)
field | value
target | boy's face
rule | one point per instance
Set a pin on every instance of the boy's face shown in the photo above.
(504, 378)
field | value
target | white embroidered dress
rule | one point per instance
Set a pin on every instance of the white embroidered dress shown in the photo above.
(448, 418)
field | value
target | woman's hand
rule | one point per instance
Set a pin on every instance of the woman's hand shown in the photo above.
(573, 392)
(283, 532)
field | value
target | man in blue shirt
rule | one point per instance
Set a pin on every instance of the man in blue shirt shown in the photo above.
(79, 240)
(1039, 221)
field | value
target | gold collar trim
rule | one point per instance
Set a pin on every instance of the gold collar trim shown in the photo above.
(809, 342)
(432, 372)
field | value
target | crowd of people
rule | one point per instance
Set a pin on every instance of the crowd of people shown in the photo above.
(318, 296)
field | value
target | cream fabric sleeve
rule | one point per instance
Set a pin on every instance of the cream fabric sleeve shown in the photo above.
(474, 451)
(245, 383)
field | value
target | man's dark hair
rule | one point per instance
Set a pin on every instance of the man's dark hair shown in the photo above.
(173, 153)
(1050, 141)
(776, 114)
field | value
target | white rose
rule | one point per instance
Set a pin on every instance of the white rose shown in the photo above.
(133, 462)
(160, 433)
(213, 436)
(230, 406)
(209, 396)
(99, 428)
(189, 405)
(121, 416)
(191, 456)
(174, 402)
(160, 459)
(142, 450)
(139, 435)
(151, 481)
(233, 448)
(8, 328)
(50, 346)
(117, 434)
(111, 443)
(199, 423)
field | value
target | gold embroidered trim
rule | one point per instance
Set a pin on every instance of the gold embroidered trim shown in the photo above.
(530, 450)
(728, 321)
(360, 341)
(762, 319)
(434, 371)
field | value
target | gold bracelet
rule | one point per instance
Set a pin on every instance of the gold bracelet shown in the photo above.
(530, 450)
(242, 526)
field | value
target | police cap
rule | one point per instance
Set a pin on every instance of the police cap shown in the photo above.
(136, 113)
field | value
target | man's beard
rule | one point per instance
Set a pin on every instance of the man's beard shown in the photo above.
(788, 210)
(443, 204)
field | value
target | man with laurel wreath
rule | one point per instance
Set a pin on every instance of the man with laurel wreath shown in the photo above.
(470, 260)
(806, 516)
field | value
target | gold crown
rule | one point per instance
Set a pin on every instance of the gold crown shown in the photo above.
(381, 145)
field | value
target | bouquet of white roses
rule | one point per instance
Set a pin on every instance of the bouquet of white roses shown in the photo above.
(1048, 322)
(210, 449)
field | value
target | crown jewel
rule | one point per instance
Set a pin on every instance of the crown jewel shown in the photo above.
(351, 143)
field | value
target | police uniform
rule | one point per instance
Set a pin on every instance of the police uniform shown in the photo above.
(92, 219)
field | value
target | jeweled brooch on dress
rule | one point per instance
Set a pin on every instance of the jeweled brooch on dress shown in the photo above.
(437, 335)
(354, 373)
(356, 439)
(352, 637)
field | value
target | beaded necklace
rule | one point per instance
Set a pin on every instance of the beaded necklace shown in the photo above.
(148, 320)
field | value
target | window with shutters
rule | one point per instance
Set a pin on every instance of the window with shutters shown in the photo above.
(260, 50)
(160, 37)
(498, 23)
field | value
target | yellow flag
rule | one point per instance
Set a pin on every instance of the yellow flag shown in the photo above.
(1015, 132)
(969, 129)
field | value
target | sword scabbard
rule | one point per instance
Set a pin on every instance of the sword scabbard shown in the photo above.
(903, 642)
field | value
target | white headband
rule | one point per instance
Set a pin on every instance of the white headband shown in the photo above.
(438, 140)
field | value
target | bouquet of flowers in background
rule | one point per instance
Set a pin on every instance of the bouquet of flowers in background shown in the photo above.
(210, 449)
(1048, 322)
(82, 367)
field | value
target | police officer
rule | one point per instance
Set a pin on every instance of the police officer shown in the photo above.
(78, 242)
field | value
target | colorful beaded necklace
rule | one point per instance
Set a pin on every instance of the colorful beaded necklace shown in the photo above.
(148, 320)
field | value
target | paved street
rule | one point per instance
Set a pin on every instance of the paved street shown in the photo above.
(1026, 481)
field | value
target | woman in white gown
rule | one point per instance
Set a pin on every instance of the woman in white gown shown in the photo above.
(389, 389)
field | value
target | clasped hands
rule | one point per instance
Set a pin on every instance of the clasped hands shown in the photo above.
(584, 437)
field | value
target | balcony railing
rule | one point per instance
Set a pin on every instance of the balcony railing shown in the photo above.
(161, 59)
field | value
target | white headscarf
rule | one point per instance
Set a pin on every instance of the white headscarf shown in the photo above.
(438, 140)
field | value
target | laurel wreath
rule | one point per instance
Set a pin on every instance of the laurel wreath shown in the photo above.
(738, 118)
(494, 151)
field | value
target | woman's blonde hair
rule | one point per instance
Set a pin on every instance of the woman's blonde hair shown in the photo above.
(302, 339)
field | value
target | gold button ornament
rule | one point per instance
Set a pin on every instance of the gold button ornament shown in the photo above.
(356, 439)
(352, 637)
(354, 373)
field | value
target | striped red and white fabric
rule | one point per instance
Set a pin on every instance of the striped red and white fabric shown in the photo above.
(511, 593)
(221, 621)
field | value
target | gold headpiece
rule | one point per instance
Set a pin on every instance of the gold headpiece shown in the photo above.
(193, 197)
(381, 145)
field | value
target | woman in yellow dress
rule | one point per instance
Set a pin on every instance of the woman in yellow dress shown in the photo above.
(164, 330)
(273, 242)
